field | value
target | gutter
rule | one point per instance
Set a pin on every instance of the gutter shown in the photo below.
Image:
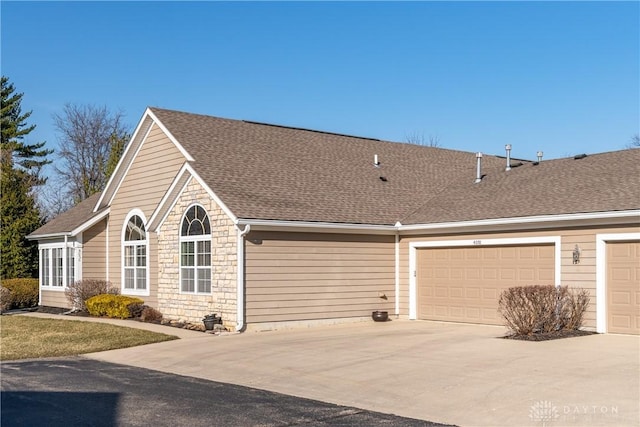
(240, 276)
(279, 225)
(593, 218)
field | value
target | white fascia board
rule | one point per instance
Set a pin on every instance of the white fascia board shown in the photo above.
(521, 222)
(168, 199)
(188, 169)
(138, 147)
(90, 223)
(278, 225)
(184, 152)
(82, 227)
(122, 159)
(47, 236)
(213, 195)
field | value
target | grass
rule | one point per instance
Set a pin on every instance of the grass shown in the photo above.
(23, 337)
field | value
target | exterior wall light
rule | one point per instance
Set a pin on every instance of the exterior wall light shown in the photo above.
(576, 255)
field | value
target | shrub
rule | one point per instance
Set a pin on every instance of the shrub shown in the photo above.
(111, 305)
(135, 310)
(24, 292)
(538, 309)
(79, 292)
(150, 314)
(5, 299)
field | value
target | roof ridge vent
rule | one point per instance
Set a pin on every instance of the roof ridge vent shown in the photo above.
(309, 130)
(579, 156)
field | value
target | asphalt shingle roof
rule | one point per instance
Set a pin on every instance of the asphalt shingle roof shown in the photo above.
(597, 183)
(271, 172)
(71, 219)
(279, 173)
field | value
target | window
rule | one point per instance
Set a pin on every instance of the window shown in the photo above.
(58, 265)
(195, 252)
(45, 269)
(58, 269)
(71, 266)
(135, 255)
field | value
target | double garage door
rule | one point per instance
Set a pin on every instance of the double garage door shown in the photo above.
(463, 284)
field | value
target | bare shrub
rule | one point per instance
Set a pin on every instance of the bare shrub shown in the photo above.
(5, 299)
(539, 309)
(78, 292)
(150, 314)
(136, 310)
(572, 307)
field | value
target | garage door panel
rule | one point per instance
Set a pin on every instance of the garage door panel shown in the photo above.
(620, 298)
(623, 287)
(618, 321)
(546, 276)
(490, 274)
(490, 294)
(476, 276)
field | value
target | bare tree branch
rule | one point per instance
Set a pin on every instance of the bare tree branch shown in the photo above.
(86, 134)
(419, 138)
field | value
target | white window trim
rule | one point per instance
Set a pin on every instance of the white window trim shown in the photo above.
(413, 246)
(201, 238)
(123, 290)
(77, 254)
(601, 274)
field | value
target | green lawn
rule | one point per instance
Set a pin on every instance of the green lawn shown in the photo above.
(23, 337)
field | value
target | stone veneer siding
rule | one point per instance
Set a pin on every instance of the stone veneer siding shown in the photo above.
(191, 308)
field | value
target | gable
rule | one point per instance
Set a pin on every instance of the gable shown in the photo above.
(149, 175)
(142, 131)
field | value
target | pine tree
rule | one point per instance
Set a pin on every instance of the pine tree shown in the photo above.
(20, 216)
(20, 173)
(15, 152)
(118, 144)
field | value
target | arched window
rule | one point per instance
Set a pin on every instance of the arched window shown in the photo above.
(195, 252)
(134, 253)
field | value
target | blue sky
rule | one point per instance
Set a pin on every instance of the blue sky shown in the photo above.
(561, 77)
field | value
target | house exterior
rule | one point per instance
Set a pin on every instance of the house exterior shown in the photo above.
(273, 226)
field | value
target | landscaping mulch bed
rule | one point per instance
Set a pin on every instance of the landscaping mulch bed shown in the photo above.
(546, 336)
(164, 322)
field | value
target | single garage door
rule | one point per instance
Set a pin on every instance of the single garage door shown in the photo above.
(463, 284)
(623, 287)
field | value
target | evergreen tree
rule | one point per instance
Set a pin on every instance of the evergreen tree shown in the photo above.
(20, 172)
(118, 143)
(15, 152)
(20, 216)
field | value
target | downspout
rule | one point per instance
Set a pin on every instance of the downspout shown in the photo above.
(397, 303)
(240, 277)
(40, 274)
(65, 261)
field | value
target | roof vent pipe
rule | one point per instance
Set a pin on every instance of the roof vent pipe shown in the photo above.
(508, 148)
(376, 163)
(539, 153)
(479, 167)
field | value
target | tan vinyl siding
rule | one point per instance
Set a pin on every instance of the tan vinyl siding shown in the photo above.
(94, 252)
(54, 299)
(302, 276)
(143, 187)
(582, 275)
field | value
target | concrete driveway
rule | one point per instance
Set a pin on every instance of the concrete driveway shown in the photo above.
(447, 373)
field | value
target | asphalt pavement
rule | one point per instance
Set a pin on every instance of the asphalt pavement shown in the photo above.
(75, 391)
